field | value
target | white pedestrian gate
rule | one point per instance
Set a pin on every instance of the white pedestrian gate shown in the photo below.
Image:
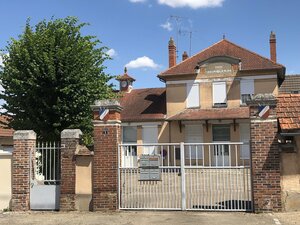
(45, 177)
(189, 177)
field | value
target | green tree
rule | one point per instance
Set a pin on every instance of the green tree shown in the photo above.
(52, 76)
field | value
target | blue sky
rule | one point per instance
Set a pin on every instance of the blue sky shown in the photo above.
(134, 29)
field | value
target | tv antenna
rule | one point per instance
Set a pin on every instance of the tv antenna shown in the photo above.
(190, 33)
(177, 20)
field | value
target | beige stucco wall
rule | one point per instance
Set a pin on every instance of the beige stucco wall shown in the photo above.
(5, 179)
(290, 179)
(176, 98)
(266, 86)
(83, 183)
(205, 95)
(233, 94)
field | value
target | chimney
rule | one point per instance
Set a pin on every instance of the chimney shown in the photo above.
(273, 46)
(184, 56)
(172, 53)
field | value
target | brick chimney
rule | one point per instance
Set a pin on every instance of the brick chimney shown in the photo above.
(184, 56)
(172, 53)
(273, 46)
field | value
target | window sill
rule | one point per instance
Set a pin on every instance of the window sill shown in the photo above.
(220, 106)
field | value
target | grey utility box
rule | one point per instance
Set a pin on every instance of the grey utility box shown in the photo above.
(149, 168)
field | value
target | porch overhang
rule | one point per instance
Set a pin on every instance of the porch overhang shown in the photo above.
(211, 114)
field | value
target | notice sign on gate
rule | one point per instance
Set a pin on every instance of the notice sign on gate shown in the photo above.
(149, 168)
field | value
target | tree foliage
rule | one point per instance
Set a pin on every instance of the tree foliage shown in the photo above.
(52, 76)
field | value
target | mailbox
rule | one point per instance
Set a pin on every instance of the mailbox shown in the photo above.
(149, 168)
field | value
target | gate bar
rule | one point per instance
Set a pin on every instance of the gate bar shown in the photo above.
(182, 167)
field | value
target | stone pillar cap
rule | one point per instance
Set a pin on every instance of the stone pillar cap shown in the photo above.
(108, 104)
(24, 135)
(71, 133)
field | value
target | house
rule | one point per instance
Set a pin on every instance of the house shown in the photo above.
(204, 99)
(208, 139)
(289, 146)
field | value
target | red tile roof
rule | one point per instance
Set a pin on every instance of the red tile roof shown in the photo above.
(4, 131)
(125, 77)
(218, 113)
(144, 105)
(288, 111)
(249, 59)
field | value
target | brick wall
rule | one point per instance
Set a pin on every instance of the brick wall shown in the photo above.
(24, 145)
(265, 159)
(105, 166)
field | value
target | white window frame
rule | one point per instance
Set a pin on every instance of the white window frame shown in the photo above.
(247, 88)
(193, 95)
(219, 88)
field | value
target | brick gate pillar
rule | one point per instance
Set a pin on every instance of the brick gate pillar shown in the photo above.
(265, 153)
(69, 142)
(107, 132)
(24, 148)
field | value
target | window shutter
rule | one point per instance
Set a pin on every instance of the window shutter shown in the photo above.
(219, 93)
(247, 87)
(192, 95)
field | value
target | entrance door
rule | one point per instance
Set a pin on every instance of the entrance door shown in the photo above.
(149, 137)
(221, 135)
(45, 177)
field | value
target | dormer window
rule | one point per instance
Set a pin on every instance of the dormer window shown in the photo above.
(219, 94)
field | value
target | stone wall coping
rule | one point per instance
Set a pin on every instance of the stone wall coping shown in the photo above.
(24, 135)
(71, 134)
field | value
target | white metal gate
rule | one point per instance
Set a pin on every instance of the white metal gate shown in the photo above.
(192, 178)
(45, 177)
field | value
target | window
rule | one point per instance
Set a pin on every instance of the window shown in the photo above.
(129, 134)
(193, 134)
(247, 90)
(219, 94)
(130, 137)
(221, 133)
(150, 136)
(192, 95)
(245, 138)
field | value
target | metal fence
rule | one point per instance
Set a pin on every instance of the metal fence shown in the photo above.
(193, 176)
(46, 163)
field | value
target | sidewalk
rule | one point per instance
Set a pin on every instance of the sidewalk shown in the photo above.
(146, 217)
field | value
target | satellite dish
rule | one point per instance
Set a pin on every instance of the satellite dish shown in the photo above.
(102, 113)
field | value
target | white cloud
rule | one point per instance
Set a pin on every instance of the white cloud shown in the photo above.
(137, 1)
(142, 62)
(112, 53)
(167, 26)
(194, 4)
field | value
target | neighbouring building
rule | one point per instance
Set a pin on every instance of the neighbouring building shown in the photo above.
(6, 147)
(290, 85)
